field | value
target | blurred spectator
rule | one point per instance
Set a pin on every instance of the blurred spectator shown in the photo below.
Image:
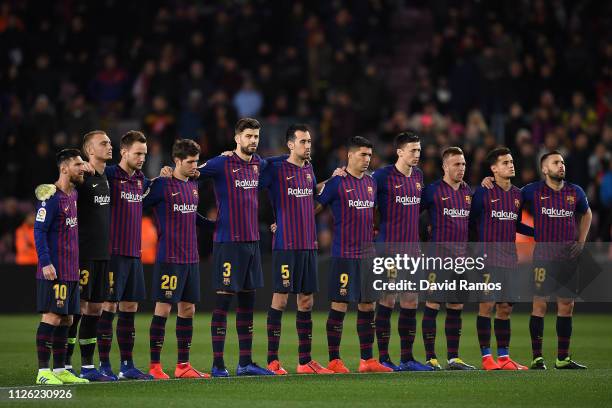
(248, 100)
(605, 194)
(24, 243)
(160, 123)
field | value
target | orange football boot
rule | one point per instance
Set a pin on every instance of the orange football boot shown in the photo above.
(506, 363)
(337, 366)
(185, 370)
(276, 367)
(372, 365)
(489, 363)
(312, 367)
(155, 369)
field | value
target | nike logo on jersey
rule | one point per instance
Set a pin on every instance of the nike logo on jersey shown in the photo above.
(348, 191)
(494, 201)
(235, 170)
(123, 181)
(94, 185)
(175, 194)
(544, 198)
(289, 178)
(445, 198)
(399, 186)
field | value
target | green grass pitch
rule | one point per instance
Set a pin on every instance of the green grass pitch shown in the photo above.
(591, 344)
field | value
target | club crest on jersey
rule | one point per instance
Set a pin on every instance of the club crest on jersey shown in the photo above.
(60, 303)
(139, 183)
(286, 283)
(41, 214)
(195, 192)
(168, 294)
(370, 190)
(343, 292)
(418, 186)
(517, 202)
(308, 177)
(256, 168)
(571, 200)
(227, 281)
(468, 199)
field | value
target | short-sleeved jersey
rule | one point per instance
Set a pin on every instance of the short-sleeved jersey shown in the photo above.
(292, 189)
(56, 235)
(175, 206)
(352, 201)
(236, 185)
(398, 200)
(495, 214)
(449, 211)
(94, 217)
(554, 212)
(126, 210)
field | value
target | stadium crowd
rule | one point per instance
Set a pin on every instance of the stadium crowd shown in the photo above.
(535, 76)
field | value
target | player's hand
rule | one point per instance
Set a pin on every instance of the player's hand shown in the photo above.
(488, 182)
(227, 153)
(273, 228)
(49, 272)
(576, 249)
(166, 171)
(88, 168)
(340, 171)
(196, 174)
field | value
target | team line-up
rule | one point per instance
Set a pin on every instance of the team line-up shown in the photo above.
(90, 271)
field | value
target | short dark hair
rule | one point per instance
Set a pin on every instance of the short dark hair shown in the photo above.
(184, 148)
(87, 138)
(246, 123)
(495, 153)
(130, 137)
(547, 155)
(356, 142)
(408, 136)
(65, 155)
(451, 151)
(296, 127)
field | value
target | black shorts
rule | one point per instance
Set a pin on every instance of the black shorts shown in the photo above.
(59, 297)
(94, 281)
(173, 283)
(506, 279)
(555, 278)
(126, 278)
(237, 266)
(447, 286)
(295, 271)
(351, 281)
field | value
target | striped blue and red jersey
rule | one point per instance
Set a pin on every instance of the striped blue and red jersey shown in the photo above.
(56, 235)
(352, 201)
(292, 189)
(449, 211)
(555, 214)
(126, 210)
(175, 206)
(398, 200)
(236, 185)
(496, 216)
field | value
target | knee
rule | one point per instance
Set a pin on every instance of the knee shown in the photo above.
(131, 307)
(187, 311)
(66, 320)
(485, 309)
(565, 308)
(366, 307)
(339, 306)
(93, 309)
(305, 303)
(387, 301)
(110, 307)
(279, 301)
(454, 306)
(539, 308)
(503, 311)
